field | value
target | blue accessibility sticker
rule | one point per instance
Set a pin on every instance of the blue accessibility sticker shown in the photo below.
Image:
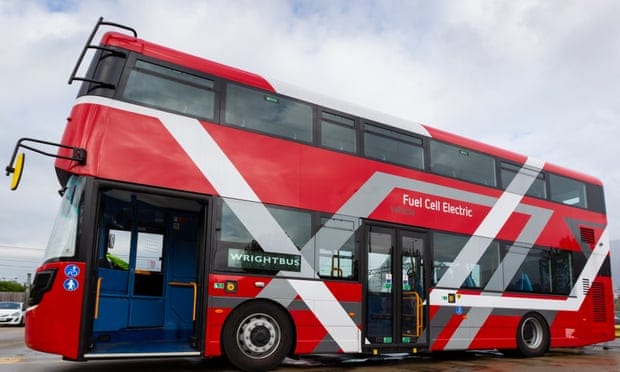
(72, 271)
(71, 284)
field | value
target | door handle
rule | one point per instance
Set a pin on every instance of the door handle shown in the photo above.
(188, 284)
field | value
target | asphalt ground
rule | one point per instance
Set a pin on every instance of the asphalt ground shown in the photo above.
(15, 356)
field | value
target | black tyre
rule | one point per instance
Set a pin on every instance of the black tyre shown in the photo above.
(257, 336)
(532, 335)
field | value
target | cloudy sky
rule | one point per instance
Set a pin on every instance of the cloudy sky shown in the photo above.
(540, 78)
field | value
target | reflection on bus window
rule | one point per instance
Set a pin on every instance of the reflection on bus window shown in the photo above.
(170, 89)
(338, 132)
(62, 240)
(149, 252)
(264, 112)
(234, 240)
(412, 264)
(445, 249)
(453, 161)
(392, 146)
(118, 249)
(541, 270)
(567, 191)
(537, 189)
(482, 272)
(380, 262)
(336, 260)
(535, 272)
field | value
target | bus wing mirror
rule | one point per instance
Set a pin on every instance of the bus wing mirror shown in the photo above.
(16, 168)
(16, 165)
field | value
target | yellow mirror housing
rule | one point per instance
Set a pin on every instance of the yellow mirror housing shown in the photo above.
(17, 171)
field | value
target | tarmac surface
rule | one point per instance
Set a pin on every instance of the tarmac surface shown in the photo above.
(15, 356)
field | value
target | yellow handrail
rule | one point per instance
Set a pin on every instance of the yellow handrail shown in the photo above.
(97, 297)
(336, 269)
(188, 284)
(418, 310)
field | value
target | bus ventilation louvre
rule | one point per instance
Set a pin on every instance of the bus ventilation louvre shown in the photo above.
(587, 236)
(586, 286)
(599, 300)
(599, 303)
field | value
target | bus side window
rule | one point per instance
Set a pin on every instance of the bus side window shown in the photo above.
(117, 250)
(337, 255)
(521, 283)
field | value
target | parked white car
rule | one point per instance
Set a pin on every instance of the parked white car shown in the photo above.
(12, 313)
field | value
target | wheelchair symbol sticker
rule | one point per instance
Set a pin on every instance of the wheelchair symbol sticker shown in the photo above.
(71, 285)
(72, 271)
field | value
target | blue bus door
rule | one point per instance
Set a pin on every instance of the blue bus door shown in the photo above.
(147, 291)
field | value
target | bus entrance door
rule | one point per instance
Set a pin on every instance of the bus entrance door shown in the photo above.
(146, 301)
(395, 290)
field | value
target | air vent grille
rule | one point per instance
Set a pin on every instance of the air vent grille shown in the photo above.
(586, 286)
(587, 235)
(599, 303)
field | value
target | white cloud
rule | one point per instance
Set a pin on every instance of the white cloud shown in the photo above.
(535, 77)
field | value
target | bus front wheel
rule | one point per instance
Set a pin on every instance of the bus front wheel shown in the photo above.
(532, 335)
(257, 336)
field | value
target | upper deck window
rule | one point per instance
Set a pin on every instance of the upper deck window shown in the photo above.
(268, 113)
(453, 161)
(538, 188)
(567, 191)
(392, 146)
(169, 89)
(338, 132)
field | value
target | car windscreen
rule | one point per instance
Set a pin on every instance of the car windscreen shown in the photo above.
(9, 305)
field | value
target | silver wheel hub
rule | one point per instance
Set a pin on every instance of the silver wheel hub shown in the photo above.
(532, 333)
(258, 335)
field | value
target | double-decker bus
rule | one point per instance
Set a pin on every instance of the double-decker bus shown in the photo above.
(208, 211)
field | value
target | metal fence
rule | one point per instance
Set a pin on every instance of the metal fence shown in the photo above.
(13, 296)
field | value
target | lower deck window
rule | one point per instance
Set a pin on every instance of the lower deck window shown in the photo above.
(237, 250)
(504, 267)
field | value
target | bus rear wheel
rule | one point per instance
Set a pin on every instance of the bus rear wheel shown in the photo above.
(532, 335)
(257, 336)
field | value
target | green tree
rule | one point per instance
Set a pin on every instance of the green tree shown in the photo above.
(11, 286)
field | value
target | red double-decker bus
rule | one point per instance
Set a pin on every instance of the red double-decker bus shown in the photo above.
(208, 211)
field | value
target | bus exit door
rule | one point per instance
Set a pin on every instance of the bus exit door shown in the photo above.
(147, 289)
(395, 316)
